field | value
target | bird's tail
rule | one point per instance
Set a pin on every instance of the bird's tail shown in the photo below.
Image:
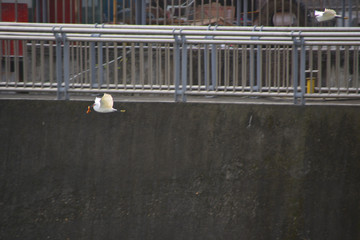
(121, 110)
(339, 16)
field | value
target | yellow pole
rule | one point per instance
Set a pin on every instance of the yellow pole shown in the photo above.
(310, 84)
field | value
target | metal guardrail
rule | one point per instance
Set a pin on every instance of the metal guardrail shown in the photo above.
(296, 63)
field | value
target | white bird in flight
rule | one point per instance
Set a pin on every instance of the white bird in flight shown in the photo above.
(103, 104)
(326, 15)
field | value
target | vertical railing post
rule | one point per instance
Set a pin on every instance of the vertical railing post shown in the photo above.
(62, 65)
(176, 65)
(66, 66)
(100, 64)
(94, 83)
(180, 69)
(299, 42)
(258, 65)
(251, 65)
(206, 67)
(208, 85)
(214, 67)
(295, 66)
(183, 67)
(100, 60)
(59, 76)
(255, 86)
(302, 70)
(1, 55)
(92, 65)
(258, 68)
(252, 70)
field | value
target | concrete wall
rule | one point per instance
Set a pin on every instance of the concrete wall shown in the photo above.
(179, 171)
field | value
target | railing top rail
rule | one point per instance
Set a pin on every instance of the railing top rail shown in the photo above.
(186, 27)
(184, 32)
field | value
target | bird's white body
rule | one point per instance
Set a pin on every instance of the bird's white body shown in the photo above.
(104, 104)
(326, 15)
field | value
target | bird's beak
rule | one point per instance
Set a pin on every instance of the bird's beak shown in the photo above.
(88, 110)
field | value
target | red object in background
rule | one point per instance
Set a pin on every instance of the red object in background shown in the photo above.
(8, 15)
(8, 12)
(70, 14)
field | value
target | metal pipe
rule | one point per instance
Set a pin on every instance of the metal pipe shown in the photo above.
(141, 65)
(214, 66)
(183, 69)
(124, 62)
(100, 66)
(177, 67)
(116, 80)
(295, 63)
(132, 63)
(302, 70)
(150, 64)
(59, 76)
(184, 27)
(66, 67)
(206, 65)
(288, 32)
(93, 65)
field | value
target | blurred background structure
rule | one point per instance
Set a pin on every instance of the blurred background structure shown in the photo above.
(180, 12)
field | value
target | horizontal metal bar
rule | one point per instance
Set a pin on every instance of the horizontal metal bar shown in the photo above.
(43, 34)
(170, 27)
(135, 40)
(194, 93)
(190, 41)
(85, 86)
(171, 40)
(28, 38)
(331, 43)
(335, 39)
(245, 42)
(160, 30)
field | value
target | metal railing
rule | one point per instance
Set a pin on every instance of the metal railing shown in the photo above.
(296, 63)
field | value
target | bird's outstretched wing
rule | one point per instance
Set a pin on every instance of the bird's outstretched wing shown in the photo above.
(318, 13)
(107, 101)
(328, 13)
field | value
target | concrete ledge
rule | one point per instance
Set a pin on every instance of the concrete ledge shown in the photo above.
(155, 98)
(179, 171)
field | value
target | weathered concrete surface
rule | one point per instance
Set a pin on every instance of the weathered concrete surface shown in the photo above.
(179, 171)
